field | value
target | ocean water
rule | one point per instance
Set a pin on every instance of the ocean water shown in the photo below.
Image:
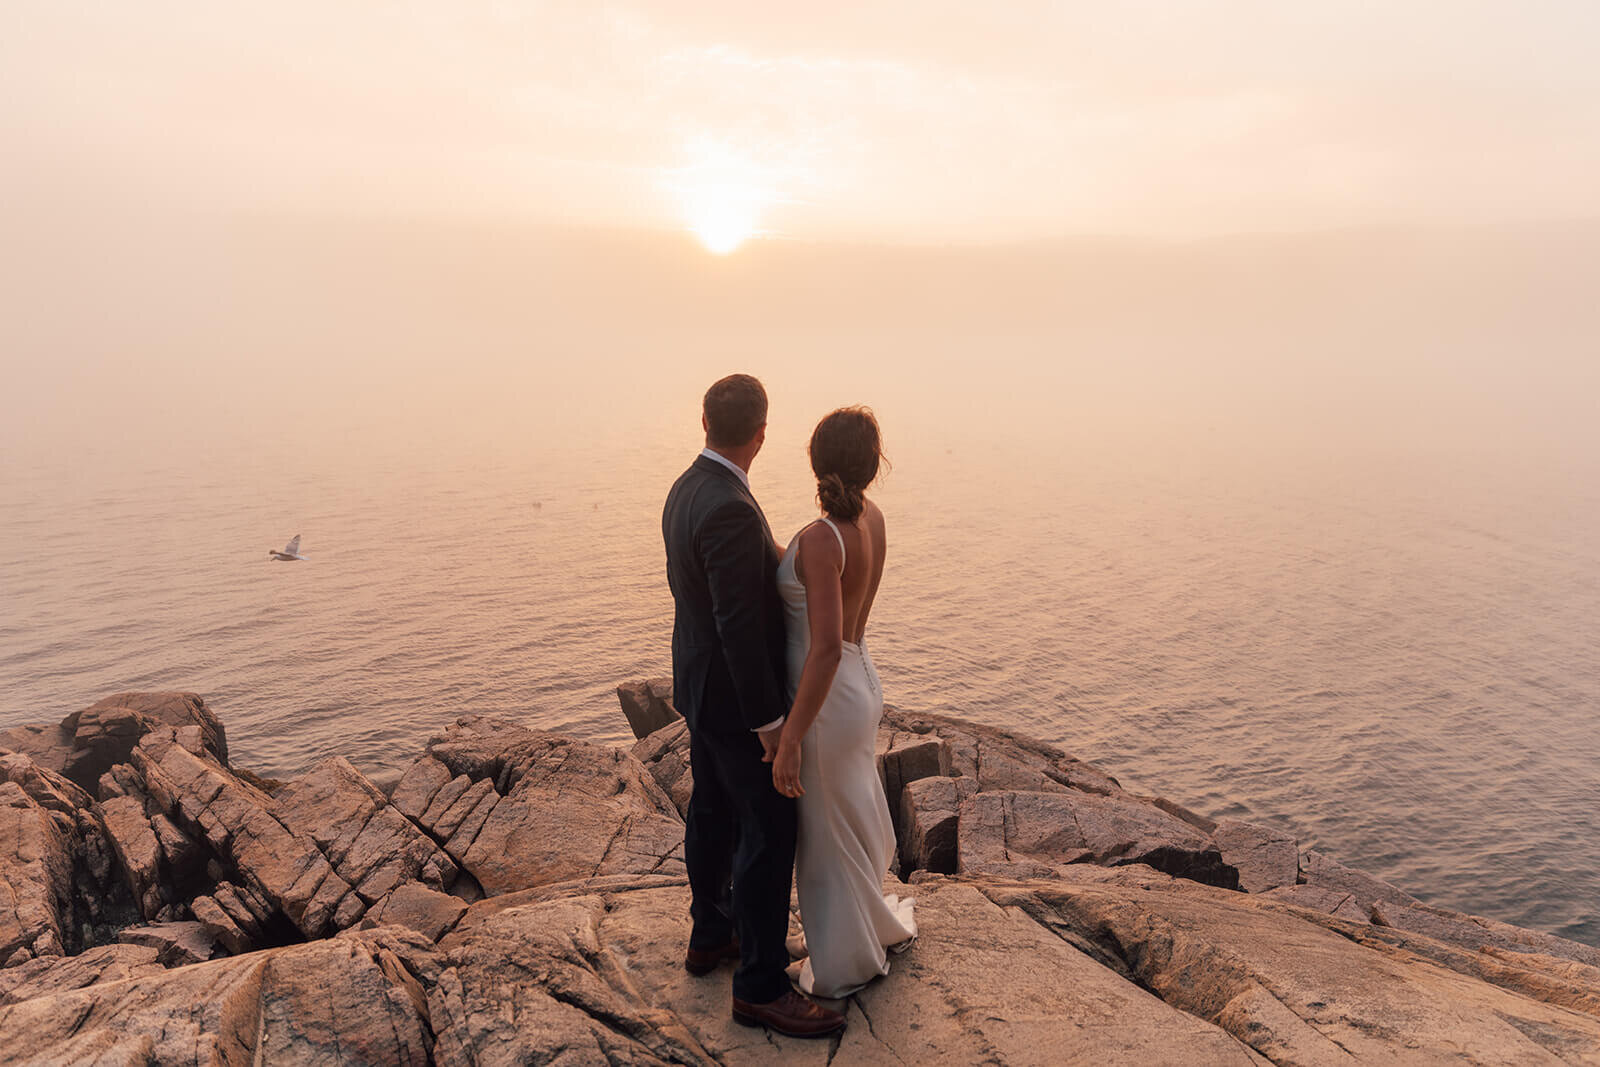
(1391, 654)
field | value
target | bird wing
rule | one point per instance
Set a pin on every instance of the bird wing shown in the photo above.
(294, 546)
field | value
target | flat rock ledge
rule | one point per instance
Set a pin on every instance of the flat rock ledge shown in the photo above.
(520, 897)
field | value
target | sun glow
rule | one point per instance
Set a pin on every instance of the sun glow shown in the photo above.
(723, 218)
(722, 195)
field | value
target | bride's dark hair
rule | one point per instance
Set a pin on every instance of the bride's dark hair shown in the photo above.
(846, 449)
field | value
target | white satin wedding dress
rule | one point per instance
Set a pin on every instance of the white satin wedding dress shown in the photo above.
(846, 835)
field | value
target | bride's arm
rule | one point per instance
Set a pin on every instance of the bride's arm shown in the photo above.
(821, 564)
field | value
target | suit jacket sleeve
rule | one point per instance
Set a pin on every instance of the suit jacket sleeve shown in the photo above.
(733, 547)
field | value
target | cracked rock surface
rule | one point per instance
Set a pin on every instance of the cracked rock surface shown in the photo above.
(371, 845)
(666, 754)
(520, 898)
(342, 1000)
(235, 819)
(87, 743)
(1119, 966)
(1015, 832)
(520, 808)
(1301, 987)
(35, 880)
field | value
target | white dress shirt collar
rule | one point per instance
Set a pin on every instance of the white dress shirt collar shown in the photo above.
(726, 462)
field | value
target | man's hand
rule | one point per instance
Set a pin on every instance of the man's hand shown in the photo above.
(769, 743)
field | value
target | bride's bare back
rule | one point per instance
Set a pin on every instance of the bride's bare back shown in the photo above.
(865, 545)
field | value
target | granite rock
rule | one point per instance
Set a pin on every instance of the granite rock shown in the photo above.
(1321, 898)
(561, 809)
(88, 743)
(370, 843)
(50, 790)
(91, 896)
(49, 975)
(613, 989)
(183, 857)
(647, 705)
(1016, 832)
(1294, 985)
(1364, 890)
(417, 787)
(177, 710)
(220, 925)
(930, 810)
(1058, 943)
(1265, 858)
(138, 850)
(666, 754)
(904, 758)
(175, 943)
(1477, 933)
(343, 1000)
(36, 886)
(427, 911)
(1098, 965)
(998, 760)
(235, 820)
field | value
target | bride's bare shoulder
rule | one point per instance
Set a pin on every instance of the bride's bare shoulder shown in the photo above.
(818, 540)
(874, 524)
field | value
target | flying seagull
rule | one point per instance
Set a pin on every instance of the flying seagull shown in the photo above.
(290, 552)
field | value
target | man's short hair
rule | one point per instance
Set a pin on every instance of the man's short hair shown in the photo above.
(735, 409)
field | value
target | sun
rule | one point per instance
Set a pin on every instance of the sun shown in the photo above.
(723, 218)
(722, 194)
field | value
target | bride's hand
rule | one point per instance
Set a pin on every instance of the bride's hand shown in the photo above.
(786, 770)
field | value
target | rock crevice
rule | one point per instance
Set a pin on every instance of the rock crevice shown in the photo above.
(521, 897)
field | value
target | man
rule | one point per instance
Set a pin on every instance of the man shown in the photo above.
(728, 682)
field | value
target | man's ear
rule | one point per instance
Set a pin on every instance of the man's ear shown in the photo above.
(705, 424)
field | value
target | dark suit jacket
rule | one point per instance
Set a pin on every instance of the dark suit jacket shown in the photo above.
(727, 633)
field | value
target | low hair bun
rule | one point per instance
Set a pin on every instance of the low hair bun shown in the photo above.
(840, 500)
(846, 450)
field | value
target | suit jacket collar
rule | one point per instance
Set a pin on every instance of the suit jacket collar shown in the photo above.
(711, 466)
(728, 465)
(717, 470)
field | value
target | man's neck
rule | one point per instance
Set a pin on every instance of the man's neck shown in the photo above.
(739, 457)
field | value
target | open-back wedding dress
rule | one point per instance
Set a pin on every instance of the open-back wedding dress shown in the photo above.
(846, 834)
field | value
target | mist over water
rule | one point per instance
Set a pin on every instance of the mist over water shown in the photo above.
(1300, 530)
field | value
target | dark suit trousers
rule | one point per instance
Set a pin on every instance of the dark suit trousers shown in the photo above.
(740, 826)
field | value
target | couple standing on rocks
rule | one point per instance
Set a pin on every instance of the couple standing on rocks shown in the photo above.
(783, 704)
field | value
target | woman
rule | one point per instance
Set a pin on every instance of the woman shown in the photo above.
(828, 578)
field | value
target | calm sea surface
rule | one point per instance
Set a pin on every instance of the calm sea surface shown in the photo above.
(1393, 657)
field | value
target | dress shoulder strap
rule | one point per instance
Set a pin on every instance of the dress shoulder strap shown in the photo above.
(836, 534)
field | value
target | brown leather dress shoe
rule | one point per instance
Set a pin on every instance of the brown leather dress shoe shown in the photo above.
(792, 1015)
(702, 961)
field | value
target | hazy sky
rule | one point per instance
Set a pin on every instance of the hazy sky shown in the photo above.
(903, 120)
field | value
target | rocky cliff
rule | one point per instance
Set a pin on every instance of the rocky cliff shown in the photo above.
(519, 897)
